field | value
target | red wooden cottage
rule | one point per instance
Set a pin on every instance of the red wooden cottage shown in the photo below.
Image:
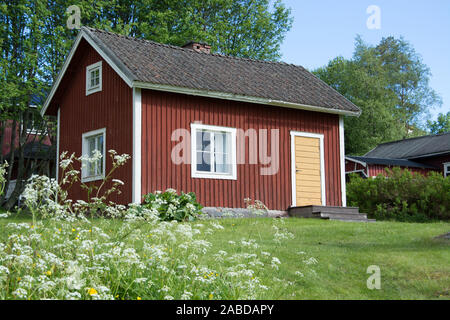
(419, 155)
(225, 128)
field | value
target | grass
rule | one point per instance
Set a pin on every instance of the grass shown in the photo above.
(413, 264)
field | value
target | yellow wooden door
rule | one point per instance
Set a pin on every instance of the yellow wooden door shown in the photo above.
(307, 171)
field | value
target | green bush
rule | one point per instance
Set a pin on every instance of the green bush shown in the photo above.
(171, 206)
(401, 196)
(2, 177)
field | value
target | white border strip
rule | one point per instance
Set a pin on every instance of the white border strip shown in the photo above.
(322, 164)
(137, 146)
(342, 160)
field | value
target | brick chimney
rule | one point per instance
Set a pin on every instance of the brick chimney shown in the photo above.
(198, 46)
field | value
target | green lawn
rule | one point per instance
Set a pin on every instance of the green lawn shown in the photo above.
(413, 264)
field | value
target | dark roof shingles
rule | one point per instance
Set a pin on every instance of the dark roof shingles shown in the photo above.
(157, 63)
(412, 148)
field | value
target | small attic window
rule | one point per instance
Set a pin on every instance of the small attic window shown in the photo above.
(94, 78)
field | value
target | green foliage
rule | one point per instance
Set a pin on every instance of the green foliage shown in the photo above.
(35, 40)
(389, 83)
(441, 125)
(2, 176)
(171, 206)
(402, 196)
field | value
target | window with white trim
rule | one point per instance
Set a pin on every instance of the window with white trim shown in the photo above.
(213, 152)
(94, 78)
(446, 169)
(94, 149)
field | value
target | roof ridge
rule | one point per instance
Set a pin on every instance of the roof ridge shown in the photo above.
(171, 46)
(413, 138)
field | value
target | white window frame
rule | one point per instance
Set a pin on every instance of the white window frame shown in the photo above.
(89, 69)
(446, 169)
(85, 148)
(195, 127)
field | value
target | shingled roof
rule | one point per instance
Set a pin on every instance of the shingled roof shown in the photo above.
(147, 62)
(413, 148)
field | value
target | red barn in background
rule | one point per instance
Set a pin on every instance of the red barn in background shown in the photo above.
(420, 155)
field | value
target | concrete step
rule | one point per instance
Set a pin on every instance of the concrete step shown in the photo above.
(337, 216)
(351, 220)
(332, 213)
(346, 210)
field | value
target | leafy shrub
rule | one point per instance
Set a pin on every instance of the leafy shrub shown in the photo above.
(402, 196)
(171, 206)
(48, 198)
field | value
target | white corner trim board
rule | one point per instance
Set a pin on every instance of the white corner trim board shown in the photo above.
(137, 146)
(322, 165)
(342, 160)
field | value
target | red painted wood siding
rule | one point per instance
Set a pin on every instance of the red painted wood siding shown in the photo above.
(376, 169)
(110, 108)
(162, 113)
(437, 161)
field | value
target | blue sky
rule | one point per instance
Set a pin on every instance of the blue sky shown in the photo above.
(325, 29)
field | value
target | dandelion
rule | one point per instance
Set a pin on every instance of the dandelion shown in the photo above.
(138, 298)
(92, 291)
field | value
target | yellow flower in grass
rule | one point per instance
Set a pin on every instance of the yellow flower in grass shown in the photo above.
(49, 273)
(92, 291)
(139, 298)
(211, 296)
